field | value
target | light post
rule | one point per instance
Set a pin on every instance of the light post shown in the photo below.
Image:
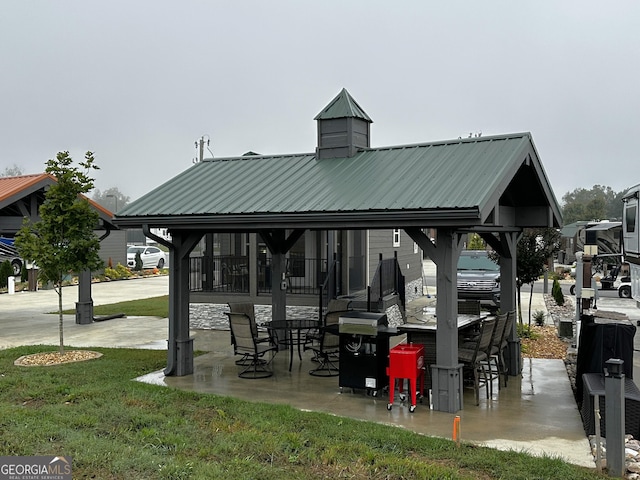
(115, 199)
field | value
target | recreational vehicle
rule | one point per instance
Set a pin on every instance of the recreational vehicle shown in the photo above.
(631, 238)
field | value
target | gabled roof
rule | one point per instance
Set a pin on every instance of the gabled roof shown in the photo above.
(464, 182)
(343, 106)
(13, 190)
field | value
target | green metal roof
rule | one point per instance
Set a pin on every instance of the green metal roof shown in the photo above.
(455, 182)
(343, 106)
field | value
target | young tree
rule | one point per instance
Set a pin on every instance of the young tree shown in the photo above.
(534, 248)
(476, 242)
(63, 240)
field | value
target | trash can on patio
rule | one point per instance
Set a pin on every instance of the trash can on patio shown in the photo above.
(406, 361)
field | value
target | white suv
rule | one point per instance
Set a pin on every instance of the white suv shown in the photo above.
(152, 257)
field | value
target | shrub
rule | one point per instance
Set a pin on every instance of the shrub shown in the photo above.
(116, 273)
(524, 331)
(556, 292)
(123, 271)
(5, 272)
(111, 273)
(538, 317)
(138, 265)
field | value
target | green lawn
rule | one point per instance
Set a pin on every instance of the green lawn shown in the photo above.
(116, 428)
(153, 307)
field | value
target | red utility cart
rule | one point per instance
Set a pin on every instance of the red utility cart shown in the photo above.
(406, 361)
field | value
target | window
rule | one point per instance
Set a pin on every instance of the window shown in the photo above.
(630, 218)
(396, 237)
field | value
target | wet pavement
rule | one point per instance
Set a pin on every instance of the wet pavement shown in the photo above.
(535, 413)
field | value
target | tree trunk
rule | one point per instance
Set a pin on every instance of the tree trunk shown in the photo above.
(60, 317)
(530, 303)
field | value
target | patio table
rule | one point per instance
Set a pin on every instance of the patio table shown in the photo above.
(289, 326)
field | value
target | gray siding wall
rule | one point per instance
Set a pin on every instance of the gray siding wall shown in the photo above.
(381, 241)
(114, 247)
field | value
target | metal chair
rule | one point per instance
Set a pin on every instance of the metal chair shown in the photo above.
(252, 350)
(504, 342)
(249, 310)
(326, 354)
(335, 308)
(469, 307)
(496, 356)
(474, 360)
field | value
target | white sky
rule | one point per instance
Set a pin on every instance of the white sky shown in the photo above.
(138, 82)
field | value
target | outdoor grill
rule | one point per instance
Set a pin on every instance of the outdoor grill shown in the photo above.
(362, 323)
(364, 350)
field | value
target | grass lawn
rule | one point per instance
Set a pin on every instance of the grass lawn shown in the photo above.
(153, 307)
(116, 428)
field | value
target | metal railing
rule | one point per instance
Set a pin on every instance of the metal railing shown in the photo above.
(329, 288)
(303, 275)
(388, 279)
(228, 273)
(224, 273)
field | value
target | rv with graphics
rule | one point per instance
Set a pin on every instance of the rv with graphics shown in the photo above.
(631, 238)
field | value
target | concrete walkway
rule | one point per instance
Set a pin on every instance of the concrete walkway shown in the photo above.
(30, 318)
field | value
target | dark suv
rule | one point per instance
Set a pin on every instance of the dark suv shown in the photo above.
(478, 277)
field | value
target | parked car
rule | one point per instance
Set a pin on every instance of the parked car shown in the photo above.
(478, 277)
(152, 257)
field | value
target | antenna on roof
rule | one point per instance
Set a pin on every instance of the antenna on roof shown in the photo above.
(200, 147)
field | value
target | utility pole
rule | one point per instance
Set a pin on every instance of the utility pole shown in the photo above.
(115, 198)
(200, 147)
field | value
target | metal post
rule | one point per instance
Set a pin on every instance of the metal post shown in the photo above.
(578, 317)
(84, 305)
(614, 415)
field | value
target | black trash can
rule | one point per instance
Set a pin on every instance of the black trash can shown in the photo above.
(600, 340)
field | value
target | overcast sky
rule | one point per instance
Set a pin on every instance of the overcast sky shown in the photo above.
(139, 82)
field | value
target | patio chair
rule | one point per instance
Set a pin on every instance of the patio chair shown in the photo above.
(249, 310)
(511, 318)
(469, 307)
(496, 356)
(326, 354)
(474, 360)
(253, 352)
(335, 308)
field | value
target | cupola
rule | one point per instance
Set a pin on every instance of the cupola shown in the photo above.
(343, 128)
